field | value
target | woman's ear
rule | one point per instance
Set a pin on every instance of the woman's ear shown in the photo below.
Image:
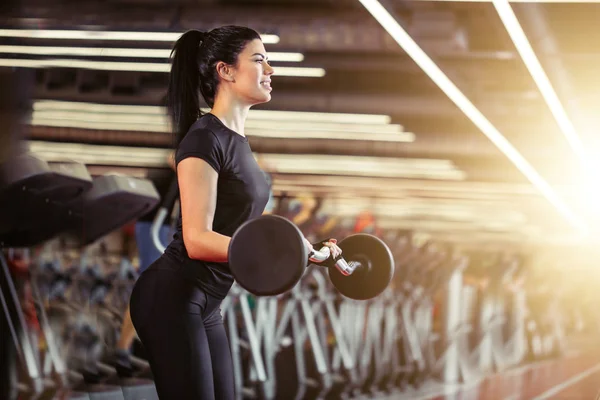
(225, 71)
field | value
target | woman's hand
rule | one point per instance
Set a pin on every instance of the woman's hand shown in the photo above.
(333, 247)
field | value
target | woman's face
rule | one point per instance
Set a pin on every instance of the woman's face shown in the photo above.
(252, 77)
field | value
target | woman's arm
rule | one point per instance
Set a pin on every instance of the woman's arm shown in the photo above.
(198, 197)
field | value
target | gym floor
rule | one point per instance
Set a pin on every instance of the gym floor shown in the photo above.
(575, 376)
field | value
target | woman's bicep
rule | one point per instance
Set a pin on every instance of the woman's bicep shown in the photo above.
(198, 196)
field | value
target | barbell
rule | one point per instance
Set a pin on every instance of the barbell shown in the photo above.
(267, 257)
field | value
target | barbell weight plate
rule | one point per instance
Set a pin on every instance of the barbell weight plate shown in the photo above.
(267, 255)
(364, 283)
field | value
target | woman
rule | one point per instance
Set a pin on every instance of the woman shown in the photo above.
(175, 302)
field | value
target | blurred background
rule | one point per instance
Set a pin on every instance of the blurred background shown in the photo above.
(462, 133)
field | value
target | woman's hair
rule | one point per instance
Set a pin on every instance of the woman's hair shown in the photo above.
(193, 69)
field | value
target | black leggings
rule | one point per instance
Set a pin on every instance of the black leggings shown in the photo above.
(181, 329)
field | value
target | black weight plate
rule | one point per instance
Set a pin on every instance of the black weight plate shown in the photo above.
(267, 255)
(365, 283)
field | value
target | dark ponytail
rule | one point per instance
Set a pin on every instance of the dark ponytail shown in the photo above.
(193, 71)
(184, 81)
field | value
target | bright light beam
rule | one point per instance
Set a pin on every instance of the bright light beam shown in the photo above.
(514, 29)
(449, 88)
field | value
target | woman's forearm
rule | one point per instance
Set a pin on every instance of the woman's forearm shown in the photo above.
(214, 247)
(208, 246)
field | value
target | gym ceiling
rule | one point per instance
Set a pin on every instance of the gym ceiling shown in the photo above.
(530, 178)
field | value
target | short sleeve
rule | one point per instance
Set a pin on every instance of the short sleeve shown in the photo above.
(201, 143)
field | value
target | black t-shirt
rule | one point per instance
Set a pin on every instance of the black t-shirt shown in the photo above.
(242, 194)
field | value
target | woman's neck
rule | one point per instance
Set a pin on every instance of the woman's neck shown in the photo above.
(232, 114)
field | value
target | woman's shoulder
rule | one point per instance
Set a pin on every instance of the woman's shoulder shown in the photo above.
(199, 136)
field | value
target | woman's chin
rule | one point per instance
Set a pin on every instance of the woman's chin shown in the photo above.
(263, 99)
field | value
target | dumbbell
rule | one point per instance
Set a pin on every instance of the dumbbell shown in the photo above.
(267, 257)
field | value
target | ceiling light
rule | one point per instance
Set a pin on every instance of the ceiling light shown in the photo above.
(272, 132)
(317, 165)
(314, 164)
(119, 52)
(106, 35)
(466, 190)
(161, 123)
(139, 67)
(260, 123)
(300, 116)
